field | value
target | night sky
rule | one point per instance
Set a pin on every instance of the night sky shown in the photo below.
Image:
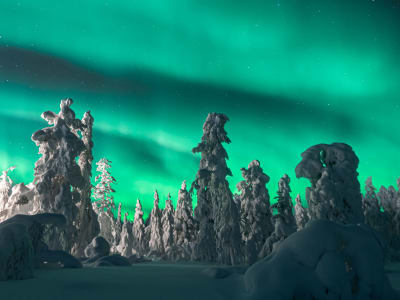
(289, 74)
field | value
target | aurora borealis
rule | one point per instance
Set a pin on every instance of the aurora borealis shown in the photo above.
(289, 74)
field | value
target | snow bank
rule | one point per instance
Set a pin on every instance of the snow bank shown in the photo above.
(326, 260)
(97, 248)
(16, 252)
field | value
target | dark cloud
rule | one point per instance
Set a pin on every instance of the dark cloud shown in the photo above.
(178, 100)
(151, 92)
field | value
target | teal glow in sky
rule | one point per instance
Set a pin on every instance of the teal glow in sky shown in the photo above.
(289, 74)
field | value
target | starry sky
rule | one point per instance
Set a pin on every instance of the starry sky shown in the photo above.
(289, 74)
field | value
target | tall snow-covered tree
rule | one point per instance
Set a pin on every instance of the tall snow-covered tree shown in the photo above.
(57, 174)
(6, 185)
(139, 241)
(147, 234)
(103, 191)
(388, 200)
(219, 232)
(335, 190)
(104, 201)
(60, 184)
(156, 242)
(398, 195)
(87, 224)
(284, 220)
(167, 221)
(118, 226)
(126, 243)
(397, 207)
(300, 213)
(256, 217)
(372, 210)
(284, 204)
(184, 224)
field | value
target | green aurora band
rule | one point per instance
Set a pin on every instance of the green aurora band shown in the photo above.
(289, 74)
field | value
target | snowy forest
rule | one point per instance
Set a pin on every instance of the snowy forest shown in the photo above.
(76, 222)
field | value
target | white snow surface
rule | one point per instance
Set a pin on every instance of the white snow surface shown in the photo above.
(326, 260)
(158, 281)
(150, 281)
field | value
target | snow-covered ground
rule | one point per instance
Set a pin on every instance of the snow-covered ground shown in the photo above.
(158, 281)
(393, 272)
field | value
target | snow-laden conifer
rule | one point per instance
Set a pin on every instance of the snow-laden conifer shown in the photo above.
(118, 226)
(256, 217)
(156, 247)
(86, 223)
(103, 191)
(167, 221)
(284, 205)
(388, 200)
(335, 190)
(300, 213)
(6, 184)
(184, 224)
(57, 175)
(284, 220)
(371, 208)
(218, 238)
(139, 242)
(104, 201)
(126, 244)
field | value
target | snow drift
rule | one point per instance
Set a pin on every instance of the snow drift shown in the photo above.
(326, 260)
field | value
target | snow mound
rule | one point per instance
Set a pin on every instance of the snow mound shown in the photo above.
(325, 260)
(99, 247)
(98, 255)
(16, 252)
(22, 248)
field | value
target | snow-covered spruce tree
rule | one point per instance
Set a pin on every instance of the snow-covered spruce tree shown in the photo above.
(388, 200)
(335, 190)
(184, 225)
(56, 173)
(104, 200)
(103, 191)
(398, 195)
(256, 217)
(284, 220)
(6, 185)
(284, 204)
(156, 248)
(61, 185)
(139, 245)
(219, 232)
(372, 210)
(118, 226)
(147, 234)
(126, 244)
(87, 224)
(300, 214)
(167, 221)
(397, 208)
